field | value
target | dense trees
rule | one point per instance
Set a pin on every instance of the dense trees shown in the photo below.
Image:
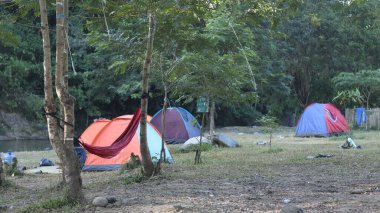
(211, 48)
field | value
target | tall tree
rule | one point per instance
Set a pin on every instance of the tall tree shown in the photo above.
(60, 139)
(145, 155)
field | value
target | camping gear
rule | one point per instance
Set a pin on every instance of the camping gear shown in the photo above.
(8, 158)
(194, 141)
(180, 125)
(261, 143)
(123, 139)
(349, 144)
(44, 170)
(361, 116)
(46, 162)
(103, 133)
(80, 151)
(225, 141)
(321, 120)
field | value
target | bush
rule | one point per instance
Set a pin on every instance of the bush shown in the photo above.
(11, 170)
(48, 205)
(137, 177)
(133, 163)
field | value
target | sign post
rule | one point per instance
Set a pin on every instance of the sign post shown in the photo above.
(202, 107)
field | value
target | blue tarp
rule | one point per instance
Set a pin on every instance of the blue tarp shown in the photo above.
(360, 116)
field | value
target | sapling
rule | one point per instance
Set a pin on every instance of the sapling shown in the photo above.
(270, 124)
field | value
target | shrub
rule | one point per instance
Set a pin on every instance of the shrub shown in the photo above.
(137, 177)
(48, 205)
(133, 163)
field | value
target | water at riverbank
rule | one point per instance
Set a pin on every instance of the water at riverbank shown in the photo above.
(24, 145)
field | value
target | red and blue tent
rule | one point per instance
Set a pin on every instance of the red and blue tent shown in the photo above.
(321, 120)
(180, 124)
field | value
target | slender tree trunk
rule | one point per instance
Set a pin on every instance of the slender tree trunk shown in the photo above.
(2, 176)
(198, 159)
(212, 121)
(367, 107)
(163, 123)
(270, 140)
(70, 161)
(145, 155)
(157, 170)
(62, 143)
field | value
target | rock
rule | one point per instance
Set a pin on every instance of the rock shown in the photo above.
(21, 168)
(291, 209)
(100, 201)
(3, 208)
(286, 200)
(129, 201)
(118, 203)
(261, 143)
(178, 207)
(225, 141)
(194, 140)
(357, 191)
(111, 199)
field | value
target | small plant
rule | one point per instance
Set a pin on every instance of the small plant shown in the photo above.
(133, 163)
(137, 177)
(270, 124)
(11, 170)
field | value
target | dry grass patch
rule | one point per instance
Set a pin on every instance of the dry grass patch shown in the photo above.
(251, 177)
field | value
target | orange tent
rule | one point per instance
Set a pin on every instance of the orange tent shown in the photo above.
(103, 132)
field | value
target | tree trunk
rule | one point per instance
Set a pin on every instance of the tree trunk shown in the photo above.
(198, 159)
(2, 176)
(145, 155)
(163, 123)
(212, 121)
(62, 143)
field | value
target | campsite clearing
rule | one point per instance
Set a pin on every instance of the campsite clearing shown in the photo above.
(250, 178)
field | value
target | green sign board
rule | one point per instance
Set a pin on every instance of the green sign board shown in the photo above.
(202, 105)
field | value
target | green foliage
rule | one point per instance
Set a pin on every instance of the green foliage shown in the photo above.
(293, 49)
(366, 81)
(269, 122)
(11, 170)
(133, 163)
(349, 97)
(136, 177)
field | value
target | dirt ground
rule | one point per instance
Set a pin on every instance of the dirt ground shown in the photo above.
(244, 179)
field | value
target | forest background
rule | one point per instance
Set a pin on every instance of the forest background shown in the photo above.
(275, 59)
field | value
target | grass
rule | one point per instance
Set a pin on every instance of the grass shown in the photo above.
(47, 205)
(287, 152)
